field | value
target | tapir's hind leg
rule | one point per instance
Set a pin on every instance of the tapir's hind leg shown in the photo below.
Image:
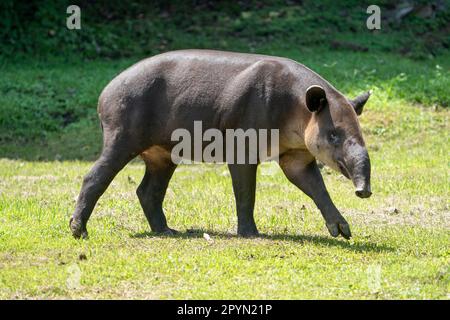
(151, 191)
(114, 157)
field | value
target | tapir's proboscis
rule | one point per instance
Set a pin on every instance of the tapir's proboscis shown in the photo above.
(142, 106)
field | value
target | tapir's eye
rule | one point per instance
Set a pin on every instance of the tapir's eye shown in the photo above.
(333, 137)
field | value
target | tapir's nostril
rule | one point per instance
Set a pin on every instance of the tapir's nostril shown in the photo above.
(363, 193)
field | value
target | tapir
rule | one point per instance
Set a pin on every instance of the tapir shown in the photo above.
(143, 105)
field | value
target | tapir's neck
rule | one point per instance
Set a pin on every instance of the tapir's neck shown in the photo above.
(300, 117)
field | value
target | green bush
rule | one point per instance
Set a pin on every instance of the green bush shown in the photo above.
(127, 28)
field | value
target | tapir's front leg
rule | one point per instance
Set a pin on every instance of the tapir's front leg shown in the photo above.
(301, 169)
(244, 185)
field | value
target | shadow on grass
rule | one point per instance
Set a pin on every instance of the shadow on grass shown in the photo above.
(318, 240)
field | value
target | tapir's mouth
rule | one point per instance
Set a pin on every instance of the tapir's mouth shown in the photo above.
(343, 169)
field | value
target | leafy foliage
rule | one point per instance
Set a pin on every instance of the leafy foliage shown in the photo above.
(126, 28)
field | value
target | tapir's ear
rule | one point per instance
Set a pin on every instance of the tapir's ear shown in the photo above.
(359, 102)
(316, 98)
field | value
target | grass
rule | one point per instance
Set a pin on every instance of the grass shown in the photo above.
(400, 247)
(49, 136)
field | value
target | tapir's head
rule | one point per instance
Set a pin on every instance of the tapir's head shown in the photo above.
(334, 137)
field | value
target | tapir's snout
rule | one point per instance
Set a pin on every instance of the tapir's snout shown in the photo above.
(358, 167)
(361, 178)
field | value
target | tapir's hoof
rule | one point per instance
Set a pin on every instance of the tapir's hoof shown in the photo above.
(248, 233)
(167, 232)
(78, 231)
(339, 228)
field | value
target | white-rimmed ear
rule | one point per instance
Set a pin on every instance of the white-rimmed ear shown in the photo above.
(316, 98)
(359, 102)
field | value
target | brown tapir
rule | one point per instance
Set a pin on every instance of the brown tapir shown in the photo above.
(143, 105)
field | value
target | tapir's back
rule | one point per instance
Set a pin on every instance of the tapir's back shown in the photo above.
(201, 74)
(221, 89)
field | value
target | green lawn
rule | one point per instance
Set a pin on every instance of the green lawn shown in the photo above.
(401, 242)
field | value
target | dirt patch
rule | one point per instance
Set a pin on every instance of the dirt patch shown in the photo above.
(417, 215)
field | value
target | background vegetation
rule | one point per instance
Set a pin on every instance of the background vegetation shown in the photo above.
(50, 79)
